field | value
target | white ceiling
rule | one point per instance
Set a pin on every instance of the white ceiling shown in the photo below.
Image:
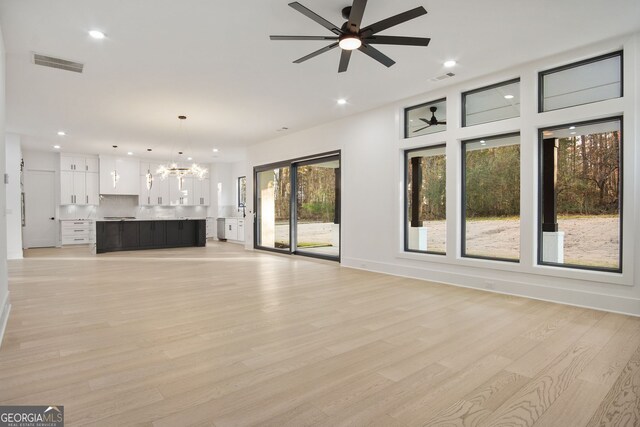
(213, 61)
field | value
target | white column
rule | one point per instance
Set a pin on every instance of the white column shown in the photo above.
(553, 246)
(418, 238)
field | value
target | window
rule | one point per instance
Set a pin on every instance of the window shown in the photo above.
(298, 206)
(580, 83)
(273, 197)
(425, 200)
(425, 119)
(581, 195)
(317, 226)
(491, 103)
(491, 198)
(242, 191)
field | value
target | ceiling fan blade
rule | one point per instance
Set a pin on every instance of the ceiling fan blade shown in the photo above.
(303, 38)
(314, 16)
(418, 130)
(393, 21)
(442, 123)
(316, 53)
(398, 40)
(376, 54)
(426, 121)
(355, 17)
(344, 61)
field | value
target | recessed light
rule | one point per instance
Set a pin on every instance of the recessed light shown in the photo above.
(573, 133)
(96, 34)
(572, 128)
(450, 63)
(508, 97)
(189, 158)
(482, 141)
(342, 101)
(215, 150)
(56, 147)
(130, 153)
(61, 133)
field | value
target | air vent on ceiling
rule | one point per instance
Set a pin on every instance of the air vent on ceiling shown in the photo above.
(442, 77)
(61, 64)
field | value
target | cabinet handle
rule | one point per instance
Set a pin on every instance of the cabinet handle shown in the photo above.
(87, 199)
(148, 200)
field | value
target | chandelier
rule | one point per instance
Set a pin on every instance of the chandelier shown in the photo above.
(180, 172)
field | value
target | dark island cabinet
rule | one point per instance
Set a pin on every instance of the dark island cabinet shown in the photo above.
(133, 235)
(153, 234)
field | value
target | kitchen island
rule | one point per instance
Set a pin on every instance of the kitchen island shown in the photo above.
(135, 234)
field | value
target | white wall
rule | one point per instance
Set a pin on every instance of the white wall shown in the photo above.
(5, 306)
(13, 197)
(372, 148)
(224, 188)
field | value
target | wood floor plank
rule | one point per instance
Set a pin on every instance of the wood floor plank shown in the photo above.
(621, 405)
(220, 336)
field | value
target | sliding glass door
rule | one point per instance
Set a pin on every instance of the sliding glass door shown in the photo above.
(318, 207)
(273, 198)
(298, 207)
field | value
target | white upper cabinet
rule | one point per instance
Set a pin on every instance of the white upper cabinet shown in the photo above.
(158, 194)
(184, 196)
(119, 175)
(77, 186)
(201, 189)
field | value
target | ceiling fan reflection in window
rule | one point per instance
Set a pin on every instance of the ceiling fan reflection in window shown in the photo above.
(351, 36)
(432, 121)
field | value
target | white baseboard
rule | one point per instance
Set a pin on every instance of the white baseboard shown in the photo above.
(5, 308)
(597, 301)
(15, 255)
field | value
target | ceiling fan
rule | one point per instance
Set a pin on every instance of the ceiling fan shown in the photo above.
(351, 36)
(432, 121)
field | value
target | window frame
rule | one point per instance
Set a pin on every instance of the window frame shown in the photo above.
(292, 164)
(539, 250)
(463, 199)
(406, 199)
(577, 64)
(413, 107)
(482, 89)
(240, 204)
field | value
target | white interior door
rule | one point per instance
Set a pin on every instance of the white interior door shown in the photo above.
(40, 228)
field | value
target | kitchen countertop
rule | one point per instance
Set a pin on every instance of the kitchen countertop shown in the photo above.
(149, 219)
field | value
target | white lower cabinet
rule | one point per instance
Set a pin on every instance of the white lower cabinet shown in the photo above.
(233, 229)
(241, 230)
(211, 227)
(77, 232)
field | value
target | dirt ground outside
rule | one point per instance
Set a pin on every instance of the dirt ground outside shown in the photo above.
(590, 241)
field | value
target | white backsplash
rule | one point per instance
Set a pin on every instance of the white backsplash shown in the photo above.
(229, 211)
(128, 206)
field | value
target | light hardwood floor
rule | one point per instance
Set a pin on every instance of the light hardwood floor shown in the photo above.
(220, 336)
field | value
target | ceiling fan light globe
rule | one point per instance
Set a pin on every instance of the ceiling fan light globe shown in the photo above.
(349, 42)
